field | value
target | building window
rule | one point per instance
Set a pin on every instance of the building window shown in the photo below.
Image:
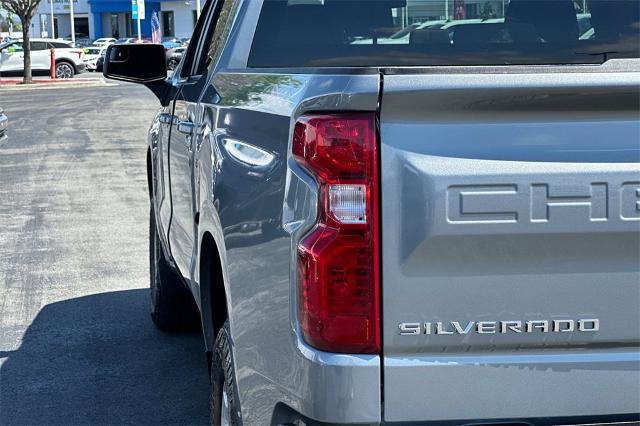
(168, 27)
(132, 26)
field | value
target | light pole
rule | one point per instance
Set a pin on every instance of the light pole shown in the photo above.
(198, 9)
(73, 24)
(53, 22)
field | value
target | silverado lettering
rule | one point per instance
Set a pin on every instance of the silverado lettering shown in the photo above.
(493, 327)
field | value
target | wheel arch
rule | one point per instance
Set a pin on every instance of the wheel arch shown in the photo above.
(213, 295)
(68, 61)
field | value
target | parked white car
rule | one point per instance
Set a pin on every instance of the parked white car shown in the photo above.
(91, 55)
(69, 60)
(104, 41)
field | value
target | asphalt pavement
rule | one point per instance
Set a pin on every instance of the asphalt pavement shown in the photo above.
(77, 345)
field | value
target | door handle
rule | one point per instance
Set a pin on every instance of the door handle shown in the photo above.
(186, 127)
(166, 118)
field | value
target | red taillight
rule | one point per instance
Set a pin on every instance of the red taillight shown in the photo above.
(338, 268)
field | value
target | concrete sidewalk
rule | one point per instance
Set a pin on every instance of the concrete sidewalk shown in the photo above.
(15, 83)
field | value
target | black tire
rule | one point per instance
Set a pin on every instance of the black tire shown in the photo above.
(65, 69)
(172, 305)
(223, 382)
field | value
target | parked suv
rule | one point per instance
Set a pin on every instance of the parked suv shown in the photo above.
(439, 231)
(69, 60)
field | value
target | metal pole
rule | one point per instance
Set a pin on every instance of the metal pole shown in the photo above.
(53, 22)
(73, 24)
(446, 9)
(139, 32)
(198, 9)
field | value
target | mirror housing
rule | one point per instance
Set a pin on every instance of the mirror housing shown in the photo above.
(138, 63)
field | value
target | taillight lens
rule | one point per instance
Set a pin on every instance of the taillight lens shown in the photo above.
(338, 260)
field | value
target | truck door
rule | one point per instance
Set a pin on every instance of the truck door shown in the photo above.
(185, 132)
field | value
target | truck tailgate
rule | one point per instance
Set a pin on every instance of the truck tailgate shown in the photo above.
(511, 244)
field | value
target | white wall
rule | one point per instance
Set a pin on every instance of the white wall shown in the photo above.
(81, 8)
(64, 25)
(182, 15)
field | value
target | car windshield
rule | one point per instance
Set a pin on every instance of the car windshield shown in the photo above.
(320, 33)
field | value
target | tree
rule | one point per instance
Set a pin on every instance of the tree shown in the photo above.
(6, 22)
(24, 9)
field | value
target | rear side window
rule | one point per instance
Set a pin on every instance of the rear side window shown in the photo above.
(38, 45)
(346, 33)
(58, 45)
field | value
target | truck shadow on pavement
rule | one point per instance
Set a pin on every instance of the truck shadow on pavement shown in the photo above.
(99, 360)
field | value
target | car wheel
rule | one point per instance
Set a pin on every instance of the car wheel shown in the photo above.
(172, 306)
(223, 400)
(64, 70)
(172, 65)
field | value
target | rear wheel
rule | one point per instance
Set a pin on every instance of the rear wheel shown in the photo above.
(64, 70)
(172, 306)
(225, 409)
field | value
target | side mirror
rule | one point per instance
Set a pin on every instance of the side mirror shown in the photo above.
(138, 63)
(135, 63)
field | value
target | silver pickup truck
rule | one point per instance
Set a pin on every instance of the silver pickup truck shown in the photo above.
(443, 229)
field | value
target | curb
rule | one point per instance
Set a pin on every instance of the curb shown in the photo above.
(36, 86)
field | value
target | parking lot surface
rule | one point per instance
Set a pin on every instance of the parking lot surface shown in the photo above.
(77, 345)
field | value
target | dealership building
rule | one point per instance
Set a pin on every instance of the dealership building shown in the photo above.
(112, 18)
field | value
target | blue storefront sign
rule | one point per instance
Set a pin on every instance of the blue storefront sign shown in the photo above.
(137, 9)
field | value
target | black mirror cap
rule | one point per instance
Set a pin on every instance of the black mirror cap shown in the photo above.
(135, 63)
